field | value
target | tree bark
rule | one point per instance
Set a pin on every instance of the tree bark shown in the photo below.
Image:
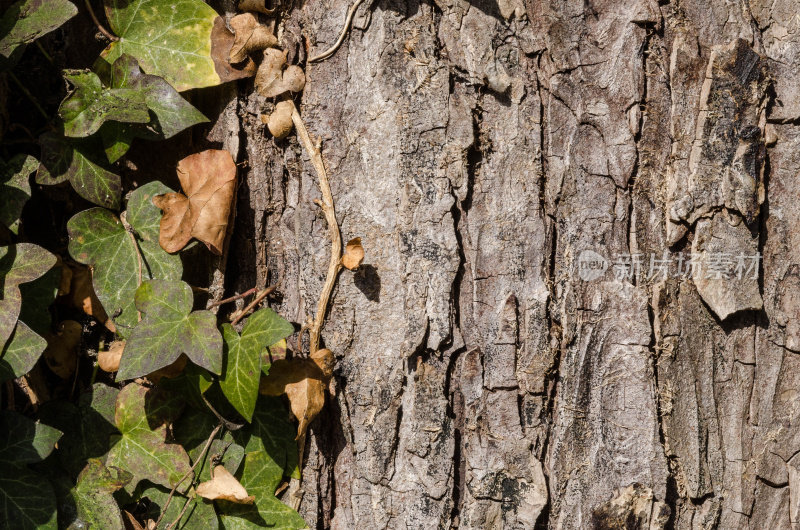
(479, 149)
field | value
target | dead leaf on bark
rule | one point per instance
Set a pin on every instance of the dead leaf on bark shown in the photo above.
(108, 360)
(353, 254)
(279, 122)
(304, 381)
(209, 180)
(221, 42)
(274, 78)
(224, 486)
(61, 354)
(249, 37)
(257, 6)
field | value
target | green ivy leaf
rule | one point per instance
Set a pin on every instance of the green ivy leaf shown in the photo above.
(192, 430)
(172, 113)
(19, 264)
(98, 238)
(260, 477)
(36, 299)
(93, 495)
(15, 189)
(171, 39)
(169, 328)
(27, 20)
(20, 352)
(272, 433)
(64, 160)
(142, 416)
(90, 105)
(87, 427)
(27, 500)
(192, 383)
(242, 371)
(198, 514)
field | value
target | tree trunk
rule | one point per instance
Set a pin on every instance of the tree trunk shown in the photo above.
(487, 376)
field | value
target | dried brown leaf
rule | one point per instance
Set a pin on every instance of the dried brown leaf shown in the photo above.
(258, 6)
(108, 360)
(250, 37)
(304, 381)
(209, 180)
(224, 486)
(82, 295)
(272, 79)
(222, 40)
(61, 354)
(353, 254)
(280, 121)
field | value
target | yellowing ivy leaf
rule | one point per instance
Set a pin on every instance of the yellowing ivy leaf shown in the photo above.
(142, 416)
(169, 328)
(183, 41)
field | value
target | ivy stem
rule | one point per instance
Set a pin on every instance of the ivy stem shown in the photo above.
(233, 298)
(335, 263)
(28, 95)
(347, 21)
(44, 52)
(257, 300)
(97, 23)
(200, 458)
(129, 230)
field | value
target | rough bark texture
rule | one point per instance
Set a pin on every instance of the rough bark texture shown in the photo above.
(478, 148)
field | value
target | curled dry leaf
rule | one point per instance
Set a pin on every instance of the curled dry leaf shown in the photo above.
(280, 121)
(209, 180)
(224, 486)
(108, 360)
(249, 37)
(353, 254)
(61, 354)
(257, 6)
(273, 80)
(304, 381)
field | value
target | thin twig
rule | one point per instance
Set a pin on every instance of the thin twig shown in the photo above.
(129, 230)
(335, 264)
(233, 298)
(97, 23)
(347, 21)
(257, 300)
(200, 458)
(180, 515)
(28, 95)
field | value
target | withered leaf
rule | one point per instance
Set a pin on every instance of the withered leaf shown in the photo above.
(249, 37)
(258, 6)
(224, 486)
(304, 381)
(280, 121)
(353, 254)
(273, 80)
(108, 360)
(209, 180)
